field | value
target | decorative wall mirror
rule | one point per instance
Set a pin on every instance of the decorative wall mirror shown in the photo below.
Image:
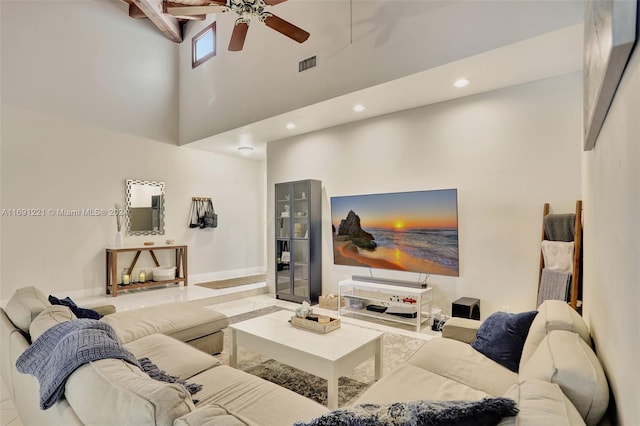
(145, 207)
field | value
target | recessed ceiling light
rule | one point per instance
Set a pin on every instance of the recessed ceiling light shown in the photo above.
(359, 108)
(245, 150)
(462, 82)
(290, 126)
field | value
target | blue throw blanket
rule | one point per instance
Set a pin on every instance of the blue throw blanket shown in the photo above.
(63, 348)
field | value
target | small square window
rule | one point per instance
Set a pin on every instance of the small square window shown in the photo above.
(203, 45)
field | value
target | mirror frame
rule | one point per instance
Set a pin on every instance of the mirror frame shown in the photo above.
(129, 184)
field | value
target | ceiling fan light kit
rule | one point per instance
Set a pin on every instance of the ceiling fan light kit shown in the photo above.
(247, 10)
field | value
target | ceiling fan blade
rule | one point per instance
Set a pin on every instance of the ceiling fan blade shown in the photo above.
(238, 36)
(286, 28)
(273, 2)
(194, 10)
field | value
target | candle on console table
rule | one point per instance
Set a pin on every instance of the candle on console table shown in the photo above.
(142, 276)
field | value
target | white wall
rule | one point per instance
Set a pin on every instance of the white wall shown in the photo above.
(612, 244)
(85, 105)
(388, 40)
(53, 163)
(507, 152)
(88, 61)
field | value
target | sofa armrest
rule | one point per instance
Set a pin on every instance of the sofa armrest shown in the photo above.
(104, 310)
(461, 329)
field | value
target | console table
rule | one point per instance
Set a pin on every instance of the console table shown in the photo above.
(112, 266)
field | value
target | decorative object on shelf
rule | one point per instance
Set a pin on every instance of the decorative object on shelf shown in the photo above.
(202, 213)
(170, 241)
(355, 303)
(330, 301)
(119, 236)
(126, 278)
(164, 273)
(285, 256)
(119, 239)
(148, 243)
(142, 276)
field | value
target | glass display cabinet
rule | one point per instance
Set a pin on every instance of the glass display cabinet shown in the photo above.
(298, 241)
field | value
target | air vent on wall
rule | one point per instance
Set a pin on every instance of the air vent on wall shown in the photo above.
(307, 64)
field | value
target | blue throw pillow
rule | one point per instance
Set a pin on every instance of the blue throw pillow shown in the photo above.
(77, 311)
(488, 411)
(501, 337)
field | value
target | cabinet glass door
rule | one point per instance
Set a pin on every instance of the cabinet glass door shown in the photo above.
(283, 266)
(283, 211)
(301, 268)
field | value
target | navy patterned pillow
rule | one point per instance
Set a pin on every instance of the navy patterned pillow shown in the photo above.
(77, 311)
(488, 411)
(501, 337)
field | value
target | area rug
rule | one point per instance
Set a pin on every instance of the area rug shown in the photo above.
(234, 282)
(396, 350)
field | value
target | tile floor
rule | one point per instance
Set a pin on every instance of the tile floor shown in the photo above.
(230, 301)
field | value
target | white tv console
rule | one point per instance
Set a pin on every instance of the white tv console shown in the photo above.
(387, 295)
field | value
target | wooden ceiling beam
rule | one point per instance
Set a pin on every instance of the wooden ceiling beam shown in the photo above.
(168, 24)
(193, 17)
(135, 12)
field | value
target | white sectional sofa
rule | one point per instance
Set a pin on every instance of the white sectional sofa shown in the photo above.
(559, 382)
(115, 392)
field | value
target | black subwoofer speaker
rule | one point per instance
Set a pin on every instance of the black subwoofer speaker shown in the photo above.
(466, 307)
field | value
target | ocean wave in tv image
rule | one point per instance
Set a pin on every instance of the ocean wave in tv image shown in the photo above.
(436, 245)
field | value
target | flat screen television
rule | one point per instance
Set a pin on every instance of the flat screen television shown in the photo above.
(408, 231)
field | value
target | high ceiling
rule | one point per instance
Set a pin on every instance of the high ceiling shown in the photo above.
(549, 55)
(543, 56)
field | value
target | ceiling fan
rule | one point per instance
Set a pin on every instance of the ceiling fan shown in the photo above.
(247, 9)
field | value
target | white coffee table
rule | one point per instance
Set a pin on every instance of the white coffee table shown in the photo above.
(328, 355)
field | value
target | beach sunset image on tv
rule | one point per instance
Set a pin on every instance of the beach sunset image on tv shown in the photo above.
(408, 231)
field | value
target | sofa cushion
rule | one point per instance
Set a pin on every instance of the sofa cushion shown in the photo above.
(565, 359)
(461, 329)
(501, 337)
(256, 399)
(553, 315)
(541, 403)
(182, 321)
(443, 413)
(212, 415)
(461, 363)
(174, 357)
(50, 316)
(77, 310)
(25, 304)
(112, 391)
(410, 383)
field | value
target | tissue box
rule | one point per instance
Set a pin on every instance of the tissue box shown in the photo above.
(330, 302)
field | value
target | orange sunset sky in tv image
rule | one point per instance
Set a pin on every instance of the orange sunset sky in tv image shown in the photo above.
(402, 210)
